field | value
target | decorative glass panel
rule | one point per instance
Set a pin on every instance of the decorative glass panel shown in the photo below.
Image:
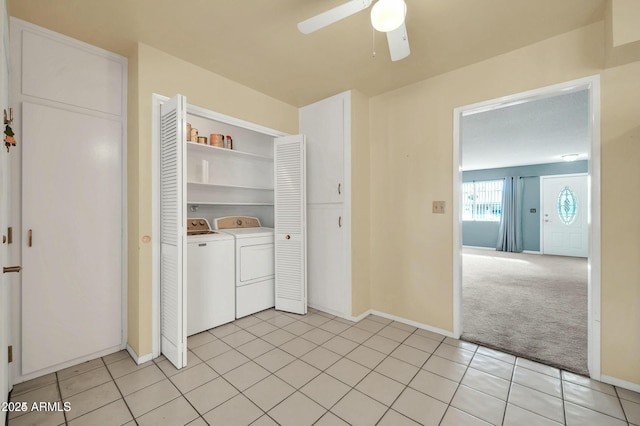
(567, 205)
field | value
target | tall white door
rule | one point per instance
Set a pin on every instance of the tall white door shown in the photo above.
(565, 204)
(69, 100)
(4, 287)
(290, 207)
(4, 211)
(72, 236)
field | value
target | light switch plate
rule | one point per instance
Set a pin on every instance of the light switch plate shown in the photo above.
(438, 207)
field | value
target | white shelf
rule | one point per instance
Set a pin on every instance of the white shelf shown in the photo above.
(199, 147)
(214, 186)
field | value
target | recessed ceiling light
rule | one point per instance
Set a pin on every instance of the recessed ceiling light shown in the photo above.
(570, 157)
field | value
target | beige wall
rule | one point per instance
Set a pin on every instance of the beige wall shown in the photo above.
(133, 222)
(160, 73)
(622, 32)
(406, 269)
(626, 28)
(411, 166)
(360, 202)
(620, 226)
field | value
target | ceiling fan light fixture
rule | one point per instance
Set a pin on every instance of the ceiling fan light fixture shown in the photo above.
(388, 15)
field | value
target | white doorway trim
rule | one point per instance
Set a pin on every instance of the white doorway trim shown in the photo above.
(592, 84)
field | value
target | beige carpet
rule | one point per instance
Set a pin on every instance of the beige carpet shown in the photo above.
(529, 305)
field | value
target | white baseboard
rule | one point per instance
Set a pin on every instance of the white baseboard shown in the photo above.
(413, 323)
(494, 249)
(620, 383)
(480, 248)
(328, 311)
(403, 321)
(138, 359)
(361, 316)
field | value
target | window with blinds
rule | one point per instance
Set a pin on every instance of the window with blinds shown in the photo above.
(482, 200)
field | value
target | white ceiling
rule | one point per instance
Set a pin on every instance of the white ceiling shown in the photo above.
(535, 132)
(256, 42)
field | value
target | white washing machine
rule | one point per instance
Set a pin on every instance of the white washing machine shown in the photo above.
(210, 277)
(254, 263)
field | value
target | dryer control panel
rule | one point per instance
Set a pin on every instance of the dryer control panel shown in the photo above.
(199, 226)
(235, 222)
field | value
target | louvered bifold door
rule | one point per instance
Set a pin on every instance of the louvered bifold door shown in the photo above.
(173, 300)
(290, 224)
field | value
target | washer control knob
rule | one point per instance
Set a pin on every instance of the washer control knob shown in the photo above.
(239, 222)
(202, 222)
(194, 223)
(288, 237)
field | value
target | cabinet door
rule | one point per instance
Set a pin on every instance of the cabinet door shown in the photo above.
(173, 213)
(327, 256)
(290, 224)
(323, 124)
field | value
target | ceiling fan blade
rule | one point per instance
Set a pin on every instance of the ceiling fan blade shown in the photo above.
(333, 15)
(398, 43)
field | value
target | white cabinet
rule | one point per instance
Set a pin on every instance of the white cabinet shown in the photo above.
(327, 282)
(324, 125)
(327, 127)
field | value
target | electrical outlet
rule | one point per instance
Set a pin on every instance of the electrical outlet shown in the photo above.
(438, 207)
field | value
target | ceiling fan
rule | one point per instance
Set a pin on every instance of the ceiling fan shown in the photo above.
(386, 16)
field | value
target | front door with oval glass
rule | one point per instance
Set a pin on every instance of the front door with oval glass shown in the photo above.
(564, 208)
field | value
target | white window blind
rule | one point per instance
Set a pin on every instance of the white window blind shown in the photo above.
(482, 200)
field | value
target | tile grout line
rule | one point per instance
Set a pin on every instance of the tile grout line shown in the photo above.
(449, 406)
(64, 414)
(79, 393)
(598, 392)
(321, 371)
(182, 394)
(624, 412)
(119, 391)
(253, 360)
(564, 405)
(511, 382)
(413, 333)
(388, 407)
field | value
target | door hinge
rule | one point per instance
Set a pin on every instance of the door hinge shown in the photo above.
(10, 354)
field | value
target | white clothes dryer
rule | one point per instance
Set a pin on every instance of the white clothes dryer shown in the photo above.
(254, 263)
(210, 277)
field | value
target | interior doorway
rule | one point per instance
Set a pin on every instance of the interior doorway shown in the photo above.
(590, 86)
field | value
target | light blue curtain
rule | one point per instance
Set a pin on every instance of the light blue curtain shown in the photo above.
(510, 233)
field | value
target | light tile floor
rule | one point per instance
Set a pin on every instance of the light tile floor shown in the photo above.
(275, 368)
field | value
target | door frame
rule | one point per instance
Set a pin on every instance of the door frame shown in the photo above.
(542, 178)
(592, 84)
